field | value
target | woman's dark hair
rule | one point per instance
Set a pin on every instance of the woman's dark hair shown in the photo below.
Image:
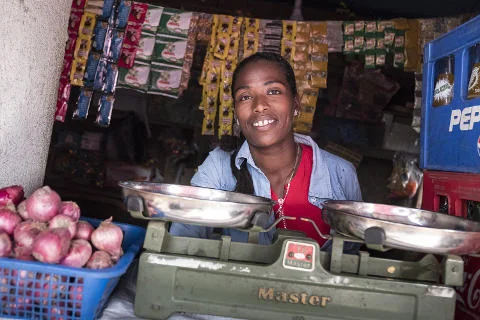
(271, 57)
(244, 179)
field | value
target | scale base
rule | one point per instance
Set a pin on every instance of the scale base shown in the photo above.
(291, 279)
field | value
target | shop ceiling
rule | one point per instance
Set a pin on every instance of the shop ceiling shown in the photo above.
(329, 9)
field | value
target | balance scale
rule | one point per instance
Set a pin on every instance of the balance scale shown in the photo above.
(292, 278)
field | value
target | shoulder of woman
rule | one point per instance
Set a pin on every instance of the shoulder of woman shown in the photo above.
(335, 162)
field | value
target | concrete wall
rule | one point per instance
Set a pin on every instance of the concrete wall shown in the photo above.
(32, 41)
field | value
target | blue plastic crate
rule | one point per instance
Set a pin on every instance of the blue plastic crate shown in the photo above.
(35, 290)
(450, 134)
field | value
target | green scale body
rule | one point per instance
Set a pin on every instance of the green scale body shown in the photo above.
(290, 279)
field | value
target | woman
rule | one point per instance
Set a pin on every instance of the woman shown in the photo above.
(273, 162)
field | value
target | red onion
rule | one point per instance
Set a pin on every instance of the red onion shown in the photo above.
(71, 209)
(22, 210)
(52, 245)
(26, 232)
(84, 230)
(108, 237)
(78, 254)
(43, 204)
(23, 253)
(8, 220)
(11, 194)
(100, 260)
(63, 221)
(5, 244)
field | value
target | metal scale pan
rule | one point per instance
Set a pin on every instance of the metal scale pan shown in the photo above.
(403, 228)
(195, 205)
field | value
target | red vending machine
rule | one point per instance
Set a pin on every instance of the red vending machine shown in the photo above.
(450, 141)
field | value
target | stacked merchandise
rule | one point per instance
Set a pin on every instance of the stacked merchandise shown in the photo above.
(143, 47)
(303, 44)
(220, 61)
(310, 61)
(98, 41)
(159, 61)
(372, 40)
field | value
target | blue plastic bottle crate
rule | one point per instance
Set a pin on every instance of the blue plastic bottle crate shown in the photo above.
(450, 134)
(35, 290)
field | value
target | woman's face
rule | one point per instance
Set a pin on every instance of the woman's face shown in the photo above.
(264, 104)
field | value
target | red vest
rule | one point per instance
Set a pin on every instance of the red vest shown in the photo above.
(296, 202)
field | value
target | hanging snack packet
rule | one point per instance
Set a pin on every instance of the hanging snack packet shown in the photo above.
(303, 32)
(99, 34)
(319, 62)
(77, 72)
(100, 75)
(370, 41)
(370, 27)
(82, 48)
(122, 14)
(389, 36)
(133, 33)
(70, 44)
(369, 59)
(136, 77)
(78, 4)
(117, 41)
(348, 28)
(169, 50)
(289, 30)
(67, 67)
(108, 8)
(380, 57)
(399, 58)
(107, 44)
(105, 110)
(399, 42)
(358, 43)
(174, 22)
(91, 69)
(83, 103)
(138, 12)
(62, 100)
(146, 46)
(380, 40)
(288, 49)
(348, 45)
(127, 56)
(87, 24)
(221, 48)
(74, 20)
(152, 18)
(250, 44)
(165, 80)
(208, 128)
(95, 7)
(111, 78)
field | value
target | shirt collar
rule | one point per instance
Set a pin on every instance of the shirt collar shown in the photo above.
(320, 185)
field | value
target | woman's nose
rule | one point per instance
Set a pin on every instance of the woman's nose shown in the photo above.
(261, 104)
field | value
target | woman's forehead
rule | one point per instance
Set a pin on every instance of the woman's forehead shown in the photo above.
(263, 69)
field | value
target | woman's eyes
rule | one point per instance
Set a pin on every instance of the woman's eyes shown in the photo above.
(244, 98)
(273, 91)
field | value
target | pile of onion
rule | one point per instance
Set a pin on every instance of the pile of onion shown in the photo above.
(44, 228)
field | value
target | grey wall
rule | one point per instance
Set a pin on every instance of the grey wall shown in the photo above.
(32, 41)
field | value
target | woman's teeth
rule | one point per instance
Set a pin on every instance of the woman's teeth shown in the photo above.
(262, 123)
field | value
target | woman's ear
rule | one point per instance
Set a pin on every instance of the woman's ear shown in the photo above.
(296, 105)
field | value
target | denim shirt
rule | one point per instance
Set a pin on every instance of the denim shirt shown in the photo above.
(332, 178)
